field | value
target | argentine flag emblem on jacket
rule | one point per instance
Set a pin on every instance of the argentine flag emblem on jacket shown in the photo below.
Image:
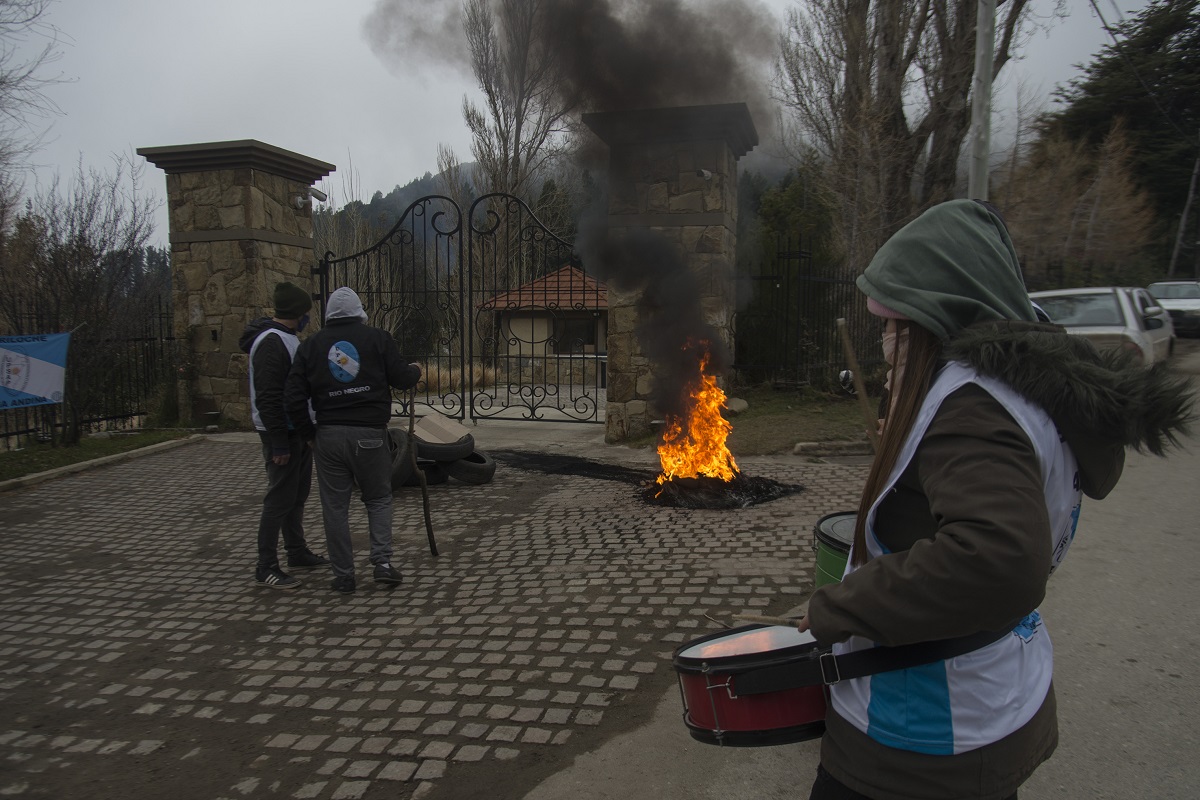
(343, 362)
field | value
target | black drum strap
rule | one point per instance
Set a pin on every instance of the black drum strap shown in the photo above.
(823, 667)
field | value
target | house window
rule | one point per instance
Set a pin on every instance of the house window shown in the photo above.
(574, 335)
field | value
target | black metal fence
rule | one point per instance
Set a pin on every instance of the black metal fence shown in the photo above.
(786, 328)
(119, 374)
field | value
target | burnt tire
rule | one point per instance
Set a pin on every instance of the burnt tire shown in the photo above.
(476, 469)
(445, 451)
(433, 471)
(402, 468)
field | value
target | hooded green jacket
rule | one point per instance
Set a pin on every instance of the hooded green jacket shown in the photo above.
(988, 569)
(960, 256)
(977, 467)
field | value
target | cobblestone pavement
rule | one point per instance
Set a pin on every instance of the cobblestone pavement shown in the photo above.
(138, 658)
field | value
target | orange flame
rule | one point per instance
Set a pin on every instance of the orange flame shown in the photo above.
(694, 446)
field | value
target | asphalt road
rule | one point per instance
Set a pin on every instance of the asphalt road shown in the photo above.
(1124, 614)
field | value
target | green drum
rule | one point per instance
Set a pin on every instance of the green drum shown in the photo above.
(832, 539)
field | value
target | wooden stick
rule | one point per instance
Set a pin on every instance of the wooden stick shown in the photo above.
(790, 622)
(859, 388)
(412, 454)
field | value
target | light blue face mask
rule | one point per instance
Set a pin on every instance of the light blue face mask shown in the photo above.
(300, 326)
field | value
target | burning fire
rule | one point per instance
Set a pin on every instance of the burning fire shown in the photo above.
(694, 446)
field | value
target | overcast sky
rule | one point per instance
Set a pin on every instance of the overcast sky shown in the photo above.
(328, 80)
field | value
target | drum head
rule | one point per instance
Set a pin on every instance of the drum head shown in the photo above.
(837, 530)
(745, 642)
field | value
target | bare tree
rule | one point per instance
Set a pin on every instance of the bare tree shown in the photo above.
(1076, 214)
(881, 89)
(75, 260)
(23, 85)
(455, 183)
(1030, 109)
(343, 231)
(518, 130)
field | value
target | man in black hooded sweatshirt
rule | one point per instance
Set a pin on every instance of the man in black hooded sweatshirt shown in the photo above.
(271, 342)
(347, 370)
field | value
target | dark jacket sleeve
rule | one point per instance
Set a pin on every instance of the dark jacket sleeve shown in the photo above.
(400, 373)
(297, 392)
(1100, 463)
(269, 366)
(986, 564)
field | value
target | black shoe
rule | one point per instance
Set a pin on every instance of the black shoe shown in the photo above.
(275, 578)
(343, 584)
(307, 560)
(386, 573)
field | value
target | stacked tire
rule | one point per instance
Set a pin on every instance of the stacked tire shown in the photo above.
(439, 461)
(476, 468)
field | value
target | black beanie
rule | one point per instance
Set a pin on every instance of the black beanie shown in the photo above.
(291, 302)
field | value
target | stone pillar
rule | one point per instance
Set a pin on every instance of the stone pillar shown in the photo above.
(240, 222)
(674, 171)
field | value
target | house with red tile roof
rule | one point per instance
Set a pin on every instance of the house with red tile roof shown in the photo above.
(564, 313)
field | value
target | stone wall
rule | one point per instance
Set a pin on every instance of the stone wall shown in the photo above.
(223, 284)
(236, 231)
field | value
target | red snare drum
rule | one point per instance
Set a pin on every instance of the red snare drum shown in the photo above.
(715, 713)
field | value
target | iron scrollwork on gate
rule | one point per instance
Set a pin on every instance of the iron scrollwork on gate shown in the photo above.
(501, 316)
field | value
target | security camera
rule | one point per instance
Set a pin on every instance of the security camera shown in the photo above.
(303, 201)
(703, 173)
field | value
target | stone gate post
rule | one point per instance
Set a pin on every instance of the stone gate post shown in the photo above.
(240, 222)
(673, 170)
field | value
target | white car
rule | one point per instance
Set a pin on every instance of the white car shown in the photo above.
(1113, 317)
(1181, 299)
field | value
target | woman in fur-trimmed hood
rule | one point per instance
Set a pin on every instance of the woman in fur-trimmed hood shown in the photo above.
(995, 427)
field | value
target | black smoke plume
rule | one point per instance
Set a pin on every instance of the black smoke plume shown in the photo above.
(620, 56)
(671, 327)
(613, 55)
(628, 56)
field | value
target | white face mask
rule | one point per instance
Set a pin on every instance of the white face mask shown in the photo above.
(895, 353)
(889, 346)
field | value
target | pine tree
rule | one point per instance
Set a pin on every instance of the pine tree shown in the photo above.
(1149, 77)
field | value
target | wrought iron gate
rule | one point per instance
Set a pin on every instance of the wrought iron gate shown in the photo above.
(496, 308)
(786, 326)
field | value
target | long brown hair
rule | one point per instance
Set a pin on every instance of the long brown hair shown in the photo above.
(911, 384)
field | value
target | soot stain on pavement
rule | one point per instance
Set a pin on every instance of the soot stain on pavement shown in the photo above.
(690, 493)
(553, 464)
(715, 494)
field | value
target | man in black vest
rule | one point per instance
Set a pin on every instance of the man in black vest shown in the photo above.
(270, 343)
(348, 370)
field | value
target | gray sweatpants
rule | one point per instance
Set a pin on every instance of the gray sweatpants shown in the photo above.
(345, 455)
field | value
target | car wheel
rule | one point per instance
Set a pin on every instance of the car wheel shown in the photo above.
(433, 471)
(445, 451)
(476, 469)
(401, 456)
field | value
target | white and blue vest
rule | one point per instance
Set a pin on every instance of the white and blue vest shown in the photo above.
(292, 342)
(976, 699)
